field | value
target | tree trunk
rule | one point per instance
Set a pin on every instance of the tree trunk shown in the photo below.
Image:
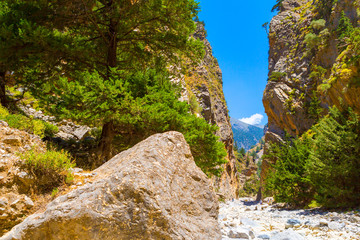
(108, 133)
(3, 99)
(105, 144)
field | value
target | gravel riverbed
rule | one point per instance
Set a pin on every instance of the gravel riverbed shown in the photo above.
(247, 219)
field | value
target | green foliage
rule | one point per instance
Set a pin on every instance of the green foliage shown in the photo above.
(322, 165)
(276, 76)
(318, 24)
(312, 40)
(289, 181)
(277, 6)
(33, 126)
(140, 105)
(313, 107)
(3, 112)
(334, 166)
(194, 105)
(50, 168)
(345, 27)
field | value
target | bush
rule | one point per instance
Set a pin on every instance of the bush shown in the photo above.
(3, 112)
(30, 125)
(312, 40)
(50, 168)
(276, 76)
(318, 24)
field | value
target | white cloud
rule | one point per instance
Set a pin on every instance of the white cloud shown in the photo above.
(254, 119)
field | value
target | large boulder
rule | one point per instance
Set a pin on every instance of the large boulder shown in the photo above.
(151, 191)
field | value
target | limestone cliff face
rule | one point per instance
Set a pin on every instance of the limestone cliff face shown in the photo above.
(203, 83)
(310, 66)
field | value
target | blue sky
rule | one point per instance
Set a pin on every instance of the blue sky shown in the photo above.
(240, 44)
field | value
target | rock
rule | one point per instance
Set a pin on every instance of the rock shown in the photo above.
(13, 141)
(323, 223)
(263, 236)
(81, 132)
(3, 202)
(287, 235)
(4, 124)
(336, 226)
(354, 219)
(292, 223)
(151, 191)
(28, 202)
(241, 233)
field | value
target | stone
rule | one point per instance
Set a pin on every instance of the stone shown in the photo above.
(336, 226)
(292, 223)
(3, 202)
(151, 191)
(28, 202)
(13, 141)
(81, 132)
(288, 235)
(241, 233)
(323, 223)
(4, 124)
(263, 236)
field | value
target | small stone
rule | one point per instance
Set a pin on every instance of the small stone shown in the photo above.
(13, 203)
(4, 124)
(28, 202)
(3, 202)
(264, 236)
(354, 219)
(13, 141)
(292, 223)
(336, 226)
(241, 233)
(323, 223)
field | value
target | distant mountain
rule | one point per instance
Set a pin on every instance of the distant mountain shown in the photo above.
(246, 135)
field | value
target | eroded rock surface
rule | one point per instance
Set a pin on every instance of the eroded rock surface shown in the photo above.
(205, 83)
(151, 191)
(305, 79)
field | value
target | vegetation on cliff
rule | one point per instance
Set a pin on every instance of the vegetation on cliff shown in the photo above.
(314, 150)
(322, 165)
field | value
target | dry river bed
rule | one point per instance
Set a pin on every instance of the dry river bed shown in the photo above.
(247, 219)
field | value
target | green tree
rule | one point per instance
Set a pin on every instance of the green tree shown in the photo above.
(288, 181)
(334, 165)
(125, 36)
(141, 105)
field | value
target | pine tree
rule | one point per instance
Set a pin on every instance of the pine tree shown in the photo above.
(334, 165)
(119, 36)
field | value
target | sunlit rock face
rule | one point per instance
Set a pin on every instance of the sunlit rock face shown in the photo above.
(204, 82)
(152, 191)
(303, 37)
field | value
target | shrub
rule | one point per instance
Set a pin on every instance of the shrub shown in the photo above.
(312, 40)
(276, 76)
(50, 129)
(30, 125)
(50, 168)
(318, 24)
(3, 112)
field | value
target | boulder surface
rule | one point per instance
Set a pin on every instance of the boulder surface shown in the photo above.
(151, 191)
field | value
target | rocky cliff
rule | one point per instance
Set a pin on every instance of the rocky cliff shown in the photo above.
(203, 90)
(313, 64)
